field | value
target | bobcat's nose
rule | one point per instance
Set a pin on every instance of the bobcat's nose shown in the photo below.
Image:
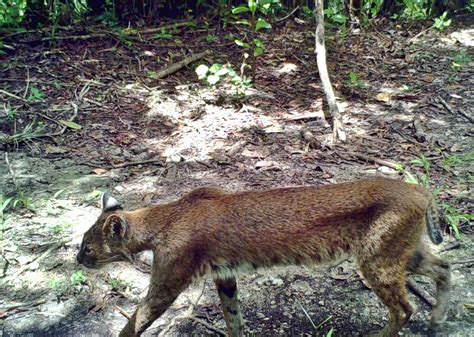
(79, 257)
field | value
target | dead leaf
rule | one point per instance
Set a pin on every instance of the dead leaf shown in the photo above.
(52, 149)
(99, 305)
(383, 97)
(100, 171)
(265, 163)
(256, 153)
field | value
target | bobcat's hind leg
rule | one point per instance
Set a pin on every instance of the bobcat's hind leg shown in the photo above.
(424, 263)
(227, 290)
(387, 278)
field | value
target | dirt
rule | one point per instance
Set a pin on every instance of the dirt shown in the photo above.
(148, 141)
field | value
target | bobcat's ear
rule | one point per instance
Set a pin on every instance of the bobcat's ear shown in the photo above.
(109, 203)
(115, 227)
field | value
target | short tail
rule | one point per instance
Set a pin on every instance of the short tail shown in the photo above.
(432, 222)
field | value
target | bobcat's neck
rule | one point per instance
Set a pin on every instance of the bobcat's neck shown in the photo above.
(147, 226)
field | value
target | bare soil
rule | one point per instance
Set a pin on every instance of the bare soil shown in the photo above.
(150, 140)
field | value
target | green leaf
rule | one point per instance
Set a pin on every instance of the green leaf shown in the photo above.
(258, 51)
(201, 71)
(410, 178)
(5, 203)
(243, 22)
(213, 79)
(240, 9)
(339, 18)
(215, 68)
(222, 72)
(262, 24)
(70, 124)
(241, 43)
(252, 5)
(258, 43)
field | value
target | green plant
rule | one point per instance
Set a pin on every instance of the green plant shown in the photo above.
(35, 95)
(415, 9)
(254, 7)
(163, 34)
(354, 81)
(78, 278)
(116, 284)
(425, 164)
(4, 202)
(12, 12)
(334, 13)
(460, 59)
(60, 229)
(10, 113)
(306, 12)
(28, 133)
(152, 74)
(459, 160)
(218, 72)
(455, 219)
(441, 23)
(315, 327)
(210, 38)
(55, 284)
(23, 201)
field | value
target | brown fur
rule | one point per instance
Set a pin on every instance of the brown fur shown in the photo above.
(379, 221)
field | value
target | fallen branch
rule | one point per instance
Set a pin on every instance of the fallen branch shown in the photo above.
(12, 95)
(209, 326)
(451, 111)
(289, 14)
(382, 162)
(422, 293)
(463, 261)
(10, 309)
(181, 64)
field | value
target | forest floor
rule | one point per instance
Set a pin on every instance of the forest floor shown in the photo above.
(90, 114)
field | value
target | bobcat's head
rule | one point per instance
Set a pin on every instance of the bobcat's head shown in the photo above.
(106, 241)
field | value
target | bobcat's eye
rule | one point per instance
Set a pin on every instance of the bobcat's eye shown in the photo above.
(87, 250)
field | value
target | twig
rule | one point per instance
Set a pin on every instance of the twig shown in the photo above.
(123, 312)
(158, 29)
(12, 95)
(290, 14)
(463, 261)
(139, 162)
(451, 246)
(448, 107)
(383, 162)
(4, 310)
(27, 82)
(10, 169)
(177, 66)
(422, 293)
(207, 325)
(419, 34)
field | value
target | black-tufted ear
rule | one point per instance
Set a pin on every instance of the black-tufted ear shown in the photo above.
(115, 227)
(109, 203)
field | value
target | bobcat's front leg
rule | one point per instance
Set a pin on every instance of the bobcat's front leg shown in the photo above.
(166, 283)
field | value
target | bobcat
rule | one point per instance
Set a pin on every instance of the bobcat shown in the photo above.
(379, 221)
